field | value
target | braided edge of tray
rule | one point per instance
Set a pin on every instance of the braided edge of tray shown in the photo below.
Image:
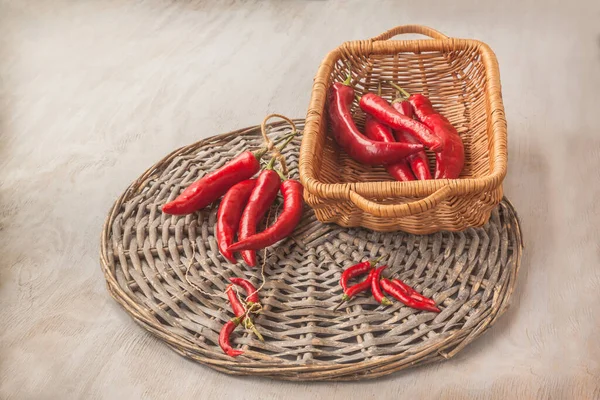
(170, 175)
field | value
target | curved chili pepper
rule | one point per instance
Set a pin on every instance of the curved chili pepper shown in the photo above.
(399, 294)
(214, 184)
(224, 338)
(413, 293)
(347, 135)
(251, 291)
(357, 270)
(241, 312)
(384, 112)
(376, 288)
(285, 224)
(450, 161)
(418, 161)
(354, 290)
(229, 214)
(376, 130)
(263, 195)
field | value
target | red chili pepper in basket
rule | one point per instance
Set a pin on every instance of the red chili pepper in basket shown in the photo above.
(224, 338)
(384, 112)
(229, 214)
(376, 288)
(376, 130)
(354, 290)
(241, 312)
(251, 291)
(399, 294)
(418, 161)
(285, 224)
(347, 135)
(214, 184)
(450, 161)
(412, 292)
(261, 199)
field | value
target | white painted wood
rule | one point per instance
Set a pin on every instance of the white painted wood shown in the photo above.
(93, 92)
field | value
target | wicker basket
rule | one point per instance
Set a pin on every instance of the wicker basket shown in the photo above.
(462, 80)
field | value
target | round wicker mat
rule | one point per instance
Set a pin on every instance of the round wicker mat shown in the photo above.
(153, 264)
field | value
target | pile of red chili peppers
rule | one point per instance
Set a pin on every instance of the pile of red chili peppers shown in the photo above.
(374, 282)
(245, 203)
(393, 137)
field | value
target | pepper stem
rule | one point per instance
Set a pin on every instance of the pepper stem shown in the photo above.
(403, 92)
(349, 77)
(376, 261)
(358, 97)
(263, 150)
(250, 325)
(385, 302)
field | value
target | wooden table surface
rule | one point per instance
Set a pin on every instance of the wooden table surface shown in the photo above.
(94, 92)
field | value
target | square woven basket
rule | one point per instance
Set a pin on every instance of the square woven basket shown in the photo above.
(462, 80)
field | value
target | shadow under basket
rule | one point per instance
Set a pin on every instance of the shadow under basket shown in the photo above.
(461, 79)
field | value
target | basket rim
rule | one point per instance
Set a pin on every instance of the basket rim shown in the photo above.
(316, 111)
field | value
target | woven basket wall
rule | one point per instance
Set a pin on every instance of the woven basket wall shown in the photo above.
(462, 80)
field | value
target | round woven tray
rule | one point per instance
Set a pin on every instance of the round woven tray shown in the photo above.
(155, 263)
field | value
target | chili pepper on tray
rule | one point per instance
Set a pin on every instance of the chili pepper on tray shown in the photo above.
(450, 161)
(251, 291)
(261, 199)
(357, 270)
(354, 290)
(376, 288)
(283, 226)
(214, 184)
(376, 130)
(379, 108)
(401, 295)
(230, 213)
(412, 292)
(224, 342)
(347, 135)
(241, 312)
(418, 161)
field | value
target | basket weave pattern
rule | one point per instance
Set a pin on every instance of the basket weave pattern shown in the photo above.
(145, 257)
(461, 78)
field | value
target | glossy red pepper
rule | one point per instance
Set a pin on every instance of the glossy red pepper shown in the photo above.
(376, 288)
(261, 199)
(376, 130)
(347, 135)
(285, 224)
(418, 161)
(229, 214)
(224, 338)
(379, 108)
(401, 295)
(241, 312)
(357, 270)
(251, 291)
(450, 161)
(412, 292)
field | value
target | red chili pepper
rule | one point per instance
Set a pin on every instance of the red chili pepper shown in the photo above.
(399, 294)
(357, 270)
(384, 112)
(376, 130)
(450, 161)
(354, 290)
(418, 161)
(251, 291)
(224, 338)
(413, 293)
(241, 312)
(347, 135)
(285, 224)
(229, 214)
(263, 195)
(214, 184)
(376, 288)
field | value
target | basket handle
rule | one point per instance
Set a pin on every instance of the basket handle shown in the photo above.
(401, 210)
(402, 29)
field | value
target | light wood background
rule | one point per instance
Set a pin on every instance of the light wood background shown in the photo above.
(94, 92)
